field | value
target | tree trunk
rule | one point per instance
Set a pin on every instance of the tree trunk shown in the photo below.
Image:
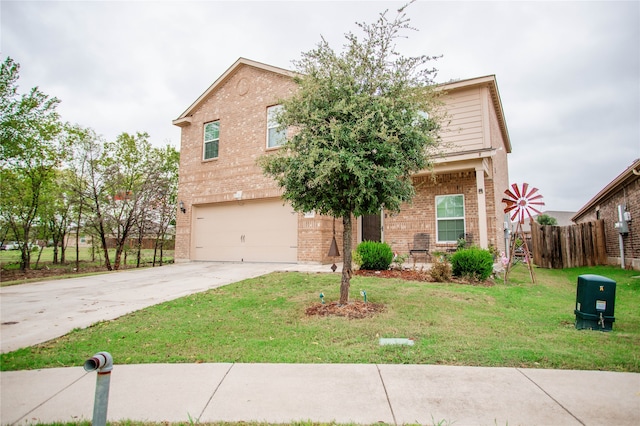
(117, 257)
(78, 239)
(39, 256)
(155, 251)
(140, 240)
(55, 252)
(25, 257)
(63, 249)
(105, 248)
(346, 256)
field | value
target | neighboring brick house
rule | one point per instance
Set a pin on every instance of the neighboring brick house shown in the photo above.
(232, 212)
(623, 191)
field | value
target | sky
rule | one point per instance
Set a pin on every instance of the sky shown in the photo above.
(568, 73)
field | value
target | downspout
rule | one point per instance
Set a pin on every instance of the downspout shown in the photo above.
(620, 239)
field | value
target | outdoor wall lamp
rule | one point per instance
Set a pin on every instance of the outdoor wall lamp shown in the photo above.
(182, 209)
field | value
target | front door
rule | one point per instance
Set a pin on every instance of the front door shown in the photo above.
(371, 227)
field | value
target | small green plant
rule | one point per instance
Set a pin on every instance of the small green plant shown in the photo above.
(440, 270)
(461, 244)
(473, 263)
(545, 219)
(398, 260)
(442, 255)
(375, 256)
(442, 422)
(494, 251)
(356, 259)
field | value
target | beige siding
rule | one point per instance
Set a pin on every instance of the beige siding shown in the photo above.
(463, 129)
(500, 180)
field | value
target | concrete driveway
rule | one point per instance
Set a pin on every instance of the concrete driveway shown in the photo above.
(38, 312)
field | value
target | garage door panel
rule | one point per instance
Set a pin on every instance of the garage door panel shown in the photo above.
(257, 231)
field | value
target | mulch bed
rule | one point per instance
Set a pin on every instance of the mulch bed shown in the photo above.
(419, 275)
(352, 310)
(405, 274)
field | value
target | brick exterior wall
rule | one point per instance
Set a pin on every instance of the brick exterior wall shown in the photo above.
(240, 102)
(628, 194)
(419, 216)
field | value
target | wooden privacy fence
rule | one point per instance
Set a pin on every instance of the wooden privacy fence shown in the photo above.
(559, 247)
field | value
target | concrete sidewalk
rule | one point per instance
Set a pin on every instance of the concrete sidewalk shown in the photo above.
(344, 393)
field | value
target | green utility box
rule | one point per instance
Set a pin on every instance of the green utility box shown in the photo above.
(595, 303)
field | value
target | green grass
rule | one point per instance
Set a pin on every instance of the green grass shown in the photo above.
(11, 257)
(519, 324)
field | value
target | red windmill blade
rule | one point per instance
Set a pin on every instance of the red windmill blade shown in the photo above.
(521, 201)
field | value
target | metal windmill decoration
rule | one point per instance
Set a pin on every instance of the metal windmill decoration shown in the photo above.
(520, 203)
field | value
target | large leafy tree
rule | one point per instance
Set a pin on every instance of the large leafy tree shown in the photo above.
(32, 147)
(362, 122)
(164, 198)
(127, 166)
(85, 182)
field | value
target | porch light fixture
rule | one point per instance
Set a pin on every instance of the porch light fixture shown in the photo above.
(182, 209)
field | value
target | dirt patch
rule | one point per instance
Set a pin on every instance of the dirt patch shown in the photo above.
(352, 310)
(18, 275)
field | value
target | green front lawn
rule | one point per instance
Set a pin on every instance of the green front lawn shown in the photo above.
(263, 320)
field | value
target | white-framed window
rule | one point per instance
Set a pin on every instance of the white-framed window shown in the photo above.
(211, 140)
(450, 218)
(276, 135)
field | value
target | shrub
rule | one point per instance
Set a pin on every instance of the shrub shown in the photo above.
(474, 263)
(398, 260)
(375, 256)
(440, 270)
(356, 259)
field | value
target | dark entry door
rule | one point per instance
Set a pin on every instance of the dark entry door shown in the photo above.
(371, 228)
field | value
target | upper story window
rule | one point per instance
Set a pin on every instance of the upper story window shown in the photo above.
(276, 135)
(450, 218)
(211, 140)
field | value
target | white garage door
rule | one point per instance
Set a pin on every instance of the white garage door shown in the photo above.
(246, 231)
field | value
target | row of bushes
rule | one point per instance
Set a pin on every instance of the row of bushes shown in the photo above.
(473, 263)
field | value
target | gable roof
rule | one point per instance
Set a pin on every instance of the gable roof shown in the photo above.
(492, 83)
(490, 80)
(183, 119)
(630, 173)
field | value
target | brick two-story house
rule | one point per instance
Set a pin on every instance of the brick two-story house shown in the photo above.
(230, 211)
